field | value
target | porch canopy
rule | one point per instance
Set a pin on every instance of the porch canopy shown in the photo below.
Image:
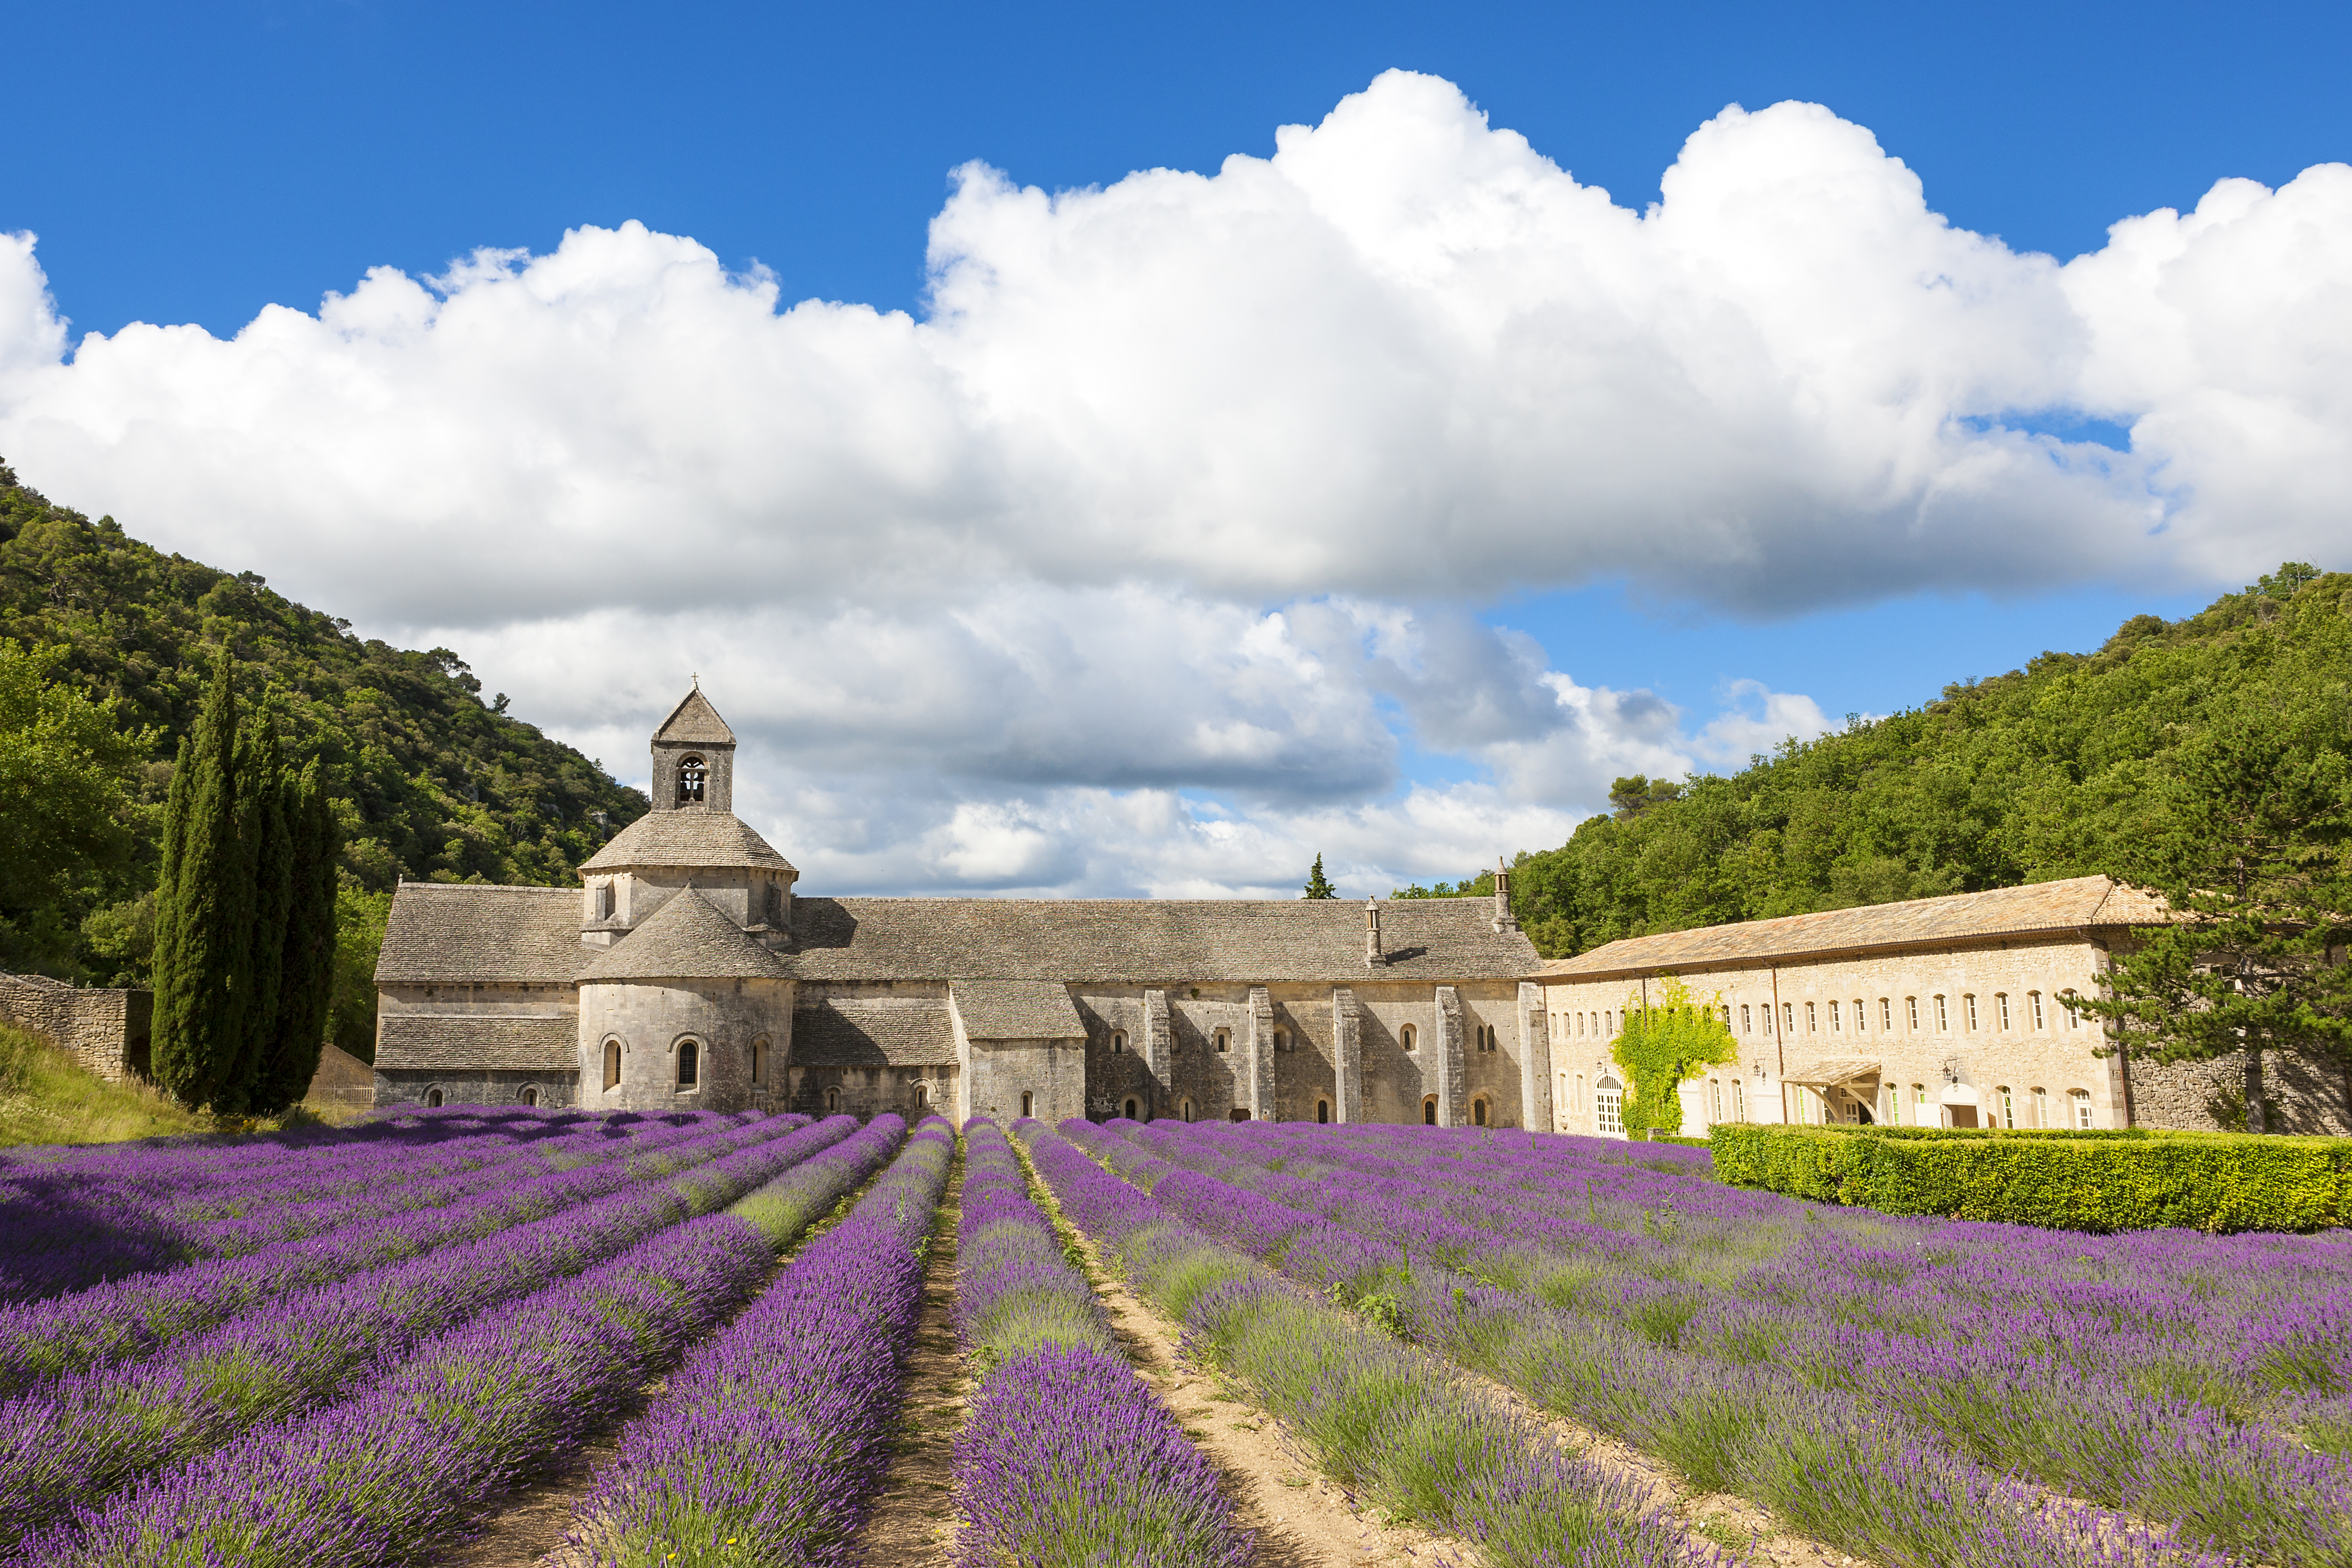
(1844, 1072)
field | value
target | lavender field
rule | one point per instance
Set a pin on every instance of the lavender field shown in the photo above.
(356, 1346)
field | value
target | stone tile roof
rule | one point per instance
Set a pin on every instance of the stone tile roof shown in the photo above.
(469, 934)
(2039, 908)
(688, 938)
(694, 723)
(1016, 1010)
(893, 1032)
(686, 838)
(1132, 941)
(476, 1042)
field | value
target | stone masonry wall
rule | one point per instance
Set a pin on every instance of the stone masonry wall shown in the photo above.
(2305, 1094)
(105, 1030)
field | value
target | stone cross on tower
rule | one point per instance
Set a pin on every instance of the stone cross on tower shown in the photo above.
(693, 759)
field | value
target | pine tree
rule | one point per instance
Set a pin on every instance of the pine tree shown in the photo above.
(1318, 886)
(307, 972)
(201, 988)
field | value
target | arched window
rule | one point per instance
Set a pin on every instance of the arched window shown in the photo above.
(922, 1094)
(432, 1097)
(1970, 998)
(1225, 1040)
(1281, 1040)
(691, 776)
(2008, 1103)
(2001, 1008)
(1747, 1024)
(2067, 999)
(1478, 1111)
(1429, 1110)
(1886, 1015)
(530, 1095)
(690, 1064)
(2081, 1100)
(1834, 1028)
(759, 1059)
(1404, 1037)
(1943, 1018)
(612, 1064)
(2035, 998)
(1812, 1020)
(1322, 1110)
(1025, 1104)
(1608, 1108)
(1130, 1108)
(1715, 1100)
(1738, 1102)
(2040, 1106)
(1118, 1041)
(1187, 1108)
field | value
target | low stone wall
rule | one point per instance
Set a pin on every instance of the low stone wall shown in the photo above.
(2305, 1094)
(106, 1030)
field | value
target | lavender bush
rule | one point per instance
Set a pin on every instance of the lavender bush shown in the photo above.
(1066, 1459)
(2116, 1369)
(1380, 1416)
(378, 1478)
(769, 1441)
(81, 1437)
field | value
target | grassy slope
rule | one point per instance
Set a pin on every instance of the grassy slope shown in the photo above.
(47, 1098)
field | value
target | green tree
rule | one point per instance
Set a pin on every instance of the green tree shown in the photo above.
(1665, 1043)
(359, 919)
(1317, 884)
(289, 1053)
(65, 764)
(203, 917)
(2248, 836)
(268, 840)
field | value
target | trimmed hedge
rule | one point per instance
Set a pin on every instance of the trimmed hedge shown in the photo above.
(2061, 1181)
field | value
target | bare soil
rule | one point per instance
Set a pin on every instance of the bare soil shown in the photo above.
(913, 1521)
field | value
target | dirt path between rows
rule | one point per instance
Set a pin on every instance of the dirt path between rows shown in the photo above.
(913, 1520)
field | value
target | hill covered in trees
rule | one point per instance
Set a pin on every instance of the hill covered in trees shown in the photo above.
(2044, 772)
(430, 782)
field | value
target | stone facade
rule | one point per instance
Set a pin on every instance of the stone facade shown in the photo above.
(1940, 1012)
(2303, 1094)
(105, 1029)
(688, 942)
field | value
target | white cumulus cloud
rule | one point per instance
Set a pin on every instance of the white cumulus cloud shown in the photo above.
(1167, 520)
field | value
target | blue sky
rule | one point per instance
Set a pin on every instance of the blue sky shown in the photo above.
(198, 164)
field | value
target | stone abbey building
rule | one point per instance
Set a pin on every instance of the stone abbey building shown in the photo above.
(688, 972)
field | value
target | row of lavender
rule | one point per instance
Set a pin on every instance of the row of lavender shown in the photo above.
(1385, 1419)
(404, 1458)
(79, 1438)
(768, 1442)
(68, 1225)
(1065, 1457)
(1776, 1349)
(137, 1316)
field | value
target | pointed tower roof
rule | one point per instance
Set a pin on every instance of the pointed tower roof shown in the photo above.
(694, 723)
(688, 938)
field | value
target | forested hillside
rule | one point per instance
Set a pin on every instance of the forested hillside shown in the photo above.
(430, 782)
(2039, 773)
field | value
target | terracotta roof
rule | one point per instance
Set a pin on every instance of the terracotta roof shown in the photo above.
(688, 938)
(469, 934)
(892, 1032)
(2039, 907)
(1129, 940)
(1016, 1010)
(694, 723)
(476, 1042)
(686, 838)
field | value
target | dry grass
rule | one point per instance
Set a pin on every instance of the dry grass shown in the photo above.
(45, 1097)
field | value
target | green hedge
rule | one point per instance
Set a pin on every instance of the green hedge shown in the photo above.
(2063, 1181)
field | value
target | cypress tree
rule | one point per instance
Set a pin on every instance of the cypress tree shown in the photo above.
(201, 992)
(307, 969)
(163, 967)
(261, 785)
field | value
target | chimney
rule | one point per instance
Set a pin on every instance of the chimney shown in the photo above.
(1504, 919)
(1372, 954)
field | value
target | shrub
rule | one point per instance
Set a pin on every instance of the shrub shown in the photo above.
(2060, 1181)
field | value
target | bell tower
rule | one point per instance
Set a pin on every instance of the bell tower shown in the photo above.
(693, 759)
